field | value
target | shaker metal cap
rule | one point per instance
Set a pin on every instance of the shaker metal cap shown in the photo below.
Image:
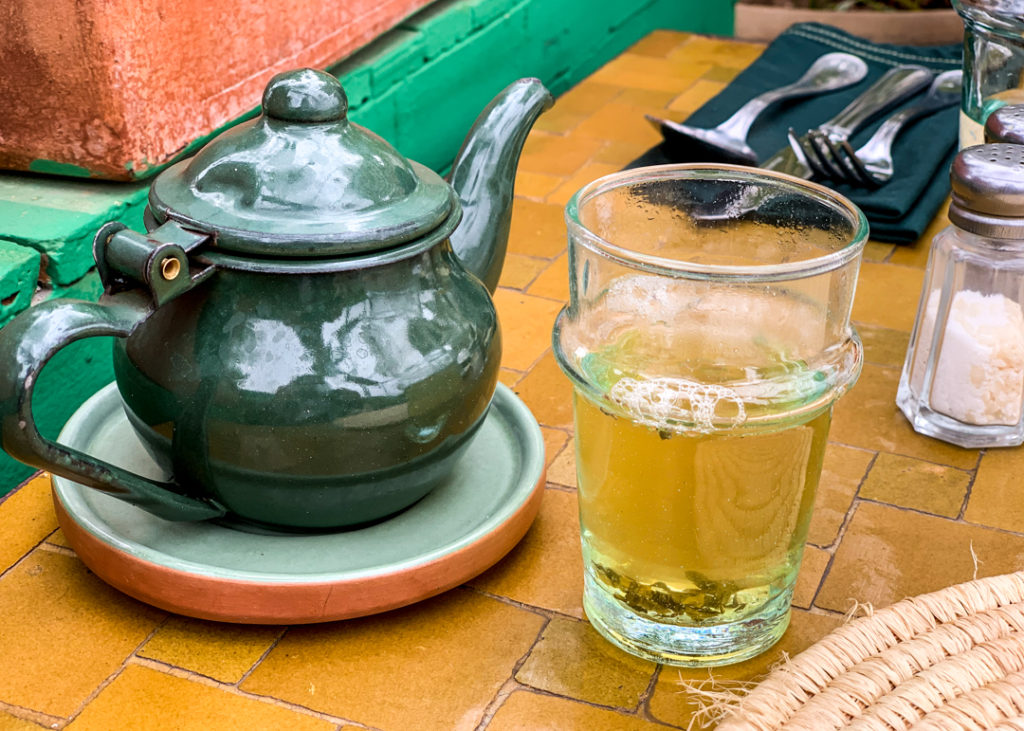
(301, 180)
(1006, 124)
(988, 190)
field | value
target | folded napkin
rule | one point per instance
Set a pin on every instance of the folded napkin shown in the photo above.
(901, 209)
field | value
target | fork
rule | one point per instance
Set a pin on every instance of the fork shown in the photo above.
(728, 141)
(895, 86)
(872, 164)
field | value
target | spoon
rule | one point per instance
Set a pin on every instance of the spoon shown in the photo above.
(872, 163)
(728, 141)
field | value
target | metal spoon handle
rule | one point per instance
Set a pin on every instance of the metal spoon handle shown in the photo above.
(896, 85)
(828, 73)
(944, 92)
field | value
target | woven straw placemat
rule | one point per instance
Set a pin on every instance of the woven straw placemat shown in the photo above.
(952, 659)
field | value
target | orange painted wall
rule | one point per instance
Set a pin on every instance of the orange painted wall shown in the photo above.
(120, 86)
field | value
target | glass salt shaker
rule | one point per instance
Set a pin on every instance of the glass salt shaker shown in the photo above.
(993, 61)
(963, 378)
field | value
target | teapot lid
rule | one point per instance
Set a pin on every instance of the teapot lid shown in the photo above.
(302, 180)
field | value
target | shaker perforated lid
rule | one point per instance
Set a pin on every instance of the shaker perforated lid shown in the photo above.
(1006, 124)
(988, 190)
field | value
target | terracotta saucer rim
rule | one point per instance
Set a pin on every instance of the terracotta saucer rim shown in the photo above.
(82, 520)
(253, 602)
(531, 444)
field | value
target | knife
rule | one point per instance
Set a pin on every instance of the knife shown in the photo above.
(895, 86)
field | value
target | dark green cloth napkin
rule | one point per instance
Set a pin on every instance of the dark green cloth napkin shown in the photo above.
(901, 209)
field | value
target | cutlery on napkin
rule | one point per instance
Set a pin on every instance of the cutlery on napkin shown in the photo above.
(901, 210)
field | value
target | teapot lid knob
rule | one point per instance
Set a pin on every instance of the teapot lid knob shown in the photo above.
(305, 95)
(302, 180)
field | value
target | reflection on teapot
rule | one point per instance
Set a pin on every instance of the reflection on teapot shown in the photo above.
(305, 336)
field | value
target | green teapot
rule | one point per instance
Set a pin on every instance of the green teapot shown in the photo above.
(305, 334)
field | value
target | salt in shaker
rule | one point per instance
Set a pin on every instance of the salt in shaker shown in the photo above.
(963, 378)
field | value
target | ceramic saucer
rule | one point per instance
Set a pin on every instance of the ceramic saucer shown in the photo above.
(215, 572)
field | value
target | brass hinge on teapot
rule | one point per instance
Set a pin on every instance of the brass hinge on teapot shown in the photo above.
(158, 260)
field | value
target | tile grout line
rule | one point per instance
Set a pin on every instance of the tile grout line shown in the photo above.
(551, 614)
(823, 612)
(830, 547)
(134, 658)
(190, 675)
(643, 707)
(833, 547)
(541, 296)
(529, 370)
(3, 499)
(901, 454)
(547, 614)
(860, 500)
(625, 712)
(17, 488)
(40, 546)
(551, 460)
(261, 658)
(117, 673)
(39, 474)
(550, 263)
(908, 509)
(511, 684)
(852, 446)
(561, 488)
(60, 550)
(547, 260)
(970, 487)
(33, 716)
(702, 714)
(926, 514)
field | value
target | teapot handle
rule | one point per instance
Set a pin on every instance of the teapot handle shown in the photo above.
(26, 344)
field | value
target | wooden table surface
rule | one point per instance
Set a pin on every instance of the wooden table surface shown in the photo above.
(897, 514)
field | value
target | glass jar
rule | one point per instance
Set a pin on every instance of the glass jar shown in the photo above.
(993, 61)
(963, 378)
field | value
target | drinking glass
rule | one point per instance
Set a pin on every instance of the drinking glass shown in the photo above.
(707, 337)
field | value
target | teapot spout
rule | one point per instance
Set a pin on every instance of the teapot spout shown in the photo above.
(483, 176)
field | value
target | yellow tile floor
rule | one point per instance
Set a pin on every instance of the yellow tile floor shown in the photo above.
(898, 514)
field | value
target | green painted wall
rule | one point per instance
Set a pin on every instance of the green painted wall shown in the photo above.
(419, 86)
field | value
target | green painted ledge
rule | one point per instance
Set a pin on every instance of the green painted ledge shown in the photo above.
(420, 86)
